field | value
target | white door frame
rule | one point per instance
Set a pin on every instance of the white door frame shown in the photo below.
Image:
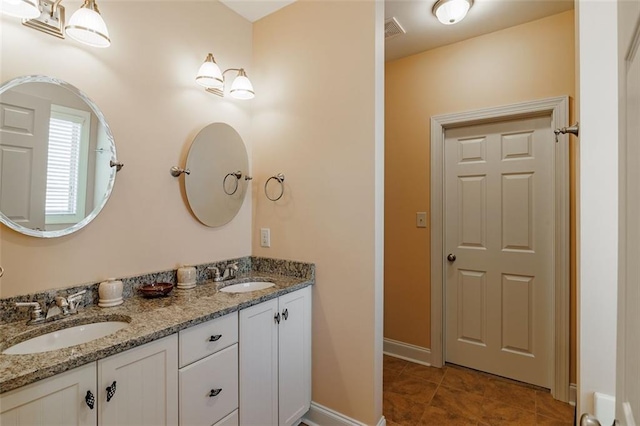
(558, 108)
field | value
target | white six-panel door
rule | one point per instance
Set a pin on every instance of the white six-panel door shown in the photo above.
(499, 221)
(24, 141)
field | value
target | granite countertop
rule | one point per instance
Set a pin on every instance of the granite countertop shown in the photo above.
(149, 319)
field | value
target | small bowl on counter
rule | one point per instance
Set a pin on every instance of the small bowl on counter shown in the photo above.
(155, 290)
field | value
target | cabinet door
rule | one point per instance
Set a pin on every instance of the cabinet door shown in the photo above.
(58, 400)
(259, 364)
(294, 355)
(146, 380)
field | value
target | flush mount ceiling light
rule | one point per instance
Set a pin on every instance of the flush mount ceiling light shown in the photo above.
(86, 25)
(451, 12)
(212, 79)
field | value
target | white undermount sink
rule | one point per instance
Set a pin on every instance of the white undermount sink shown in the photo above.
(66, 337)
(246, 287)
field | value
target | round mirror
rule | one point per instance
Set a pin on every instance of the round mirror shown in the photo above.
(57, 157)
(218, 174)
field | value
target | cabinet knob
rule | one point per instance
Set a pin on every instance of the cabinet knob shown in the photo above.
(451, 257)
(214, 392)
(285, 314)
(90, 400)
(111, 390)
(276, 317)
(215, 337)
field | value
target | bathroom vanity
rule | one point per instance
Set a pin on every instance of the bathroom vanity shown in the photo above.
(199, 356)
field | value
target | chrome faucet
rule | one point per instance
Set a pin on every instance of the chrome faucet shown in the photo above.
(59, 307)
(229, 272)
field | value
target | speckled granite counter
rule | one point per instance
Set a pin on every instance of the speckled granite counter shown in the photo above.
(149, 319)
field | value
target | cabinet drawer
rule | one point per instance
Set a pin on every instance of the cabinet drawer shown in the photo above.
(217, 373)
(205, 339)
(231, 420)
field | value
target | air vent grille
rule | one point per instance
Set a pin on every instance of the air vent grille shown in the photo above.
(392, 28)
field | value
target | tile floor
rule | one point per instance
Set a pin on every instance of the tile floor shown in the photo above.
(418, 395)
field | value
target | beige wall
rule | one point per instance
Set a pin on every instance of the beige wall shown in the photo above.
(526, 62)
(319, 76)
(144, 85)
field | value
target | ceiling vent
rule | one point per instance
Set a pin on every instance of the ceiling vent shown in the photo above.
(392, 28)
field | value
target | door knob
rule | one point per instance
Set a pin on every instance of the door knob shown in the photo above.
(451, 257)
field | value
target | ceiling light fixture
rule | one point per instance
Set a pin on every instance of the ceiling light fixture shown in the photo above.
(451, 12)
(86, 25)
(212, 79)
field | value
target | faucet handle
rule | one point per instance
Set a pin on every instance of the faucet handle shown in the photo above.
(76, 295)
(36, 312)
(74, 299)
(215, 270)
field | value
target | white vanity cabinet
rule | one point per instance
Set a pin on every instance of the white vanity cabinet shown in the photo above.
(275, 360)
(58, 400)
(145, 392)
(146, 385)
(208, 373)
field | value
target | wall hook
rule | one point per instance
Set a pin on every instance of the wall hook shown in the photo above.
(177, 171)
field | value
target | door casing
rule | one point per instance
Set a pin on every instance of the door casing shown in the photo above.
(558, 108)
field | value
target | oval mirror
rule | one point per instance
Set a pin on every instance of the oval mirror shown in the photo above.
(218, 174)
(57, 157)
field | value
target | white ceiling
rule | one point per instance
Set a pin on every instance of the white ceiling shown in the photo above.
(252, 10)
(425, 32)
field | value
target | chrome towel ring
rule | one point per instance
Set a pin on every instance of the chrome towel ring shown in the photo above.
(236, 175)
(280, 179)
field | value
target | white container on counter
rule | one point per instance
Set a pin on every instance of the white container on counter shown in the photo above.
(110, 293)
(186, 277)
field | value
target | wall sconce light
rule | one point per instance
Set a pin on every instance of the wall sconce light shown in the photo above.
(86, 25)
(27, 9)
(212, 79)
(451, 12)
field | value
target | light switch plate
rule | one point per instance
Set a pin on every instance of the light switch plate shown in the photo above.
(421, 219)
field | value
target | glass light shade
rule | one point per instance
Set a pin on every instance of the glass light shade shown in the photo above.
(451, 12)
(209, 74)
(25, 9)
(242, 87)
(87, 26)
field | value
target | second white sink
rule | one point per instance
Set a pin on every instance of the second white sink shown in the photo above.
(246, 287)
(66, 337)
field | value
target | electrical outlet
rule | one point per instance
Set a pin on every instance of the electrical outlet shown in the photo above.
(421, 219)
(265, 237)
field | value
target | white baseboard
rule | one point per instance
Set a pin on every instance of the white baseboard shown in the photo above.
(319, 415)
(573, 394)
(406, 351)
